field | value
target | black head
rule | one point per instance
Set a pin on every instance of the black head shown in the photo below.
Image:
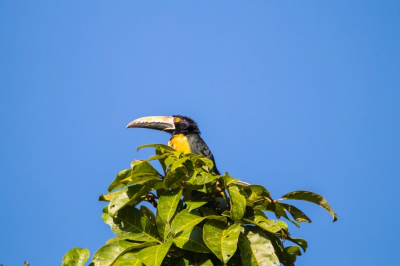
(184, 125)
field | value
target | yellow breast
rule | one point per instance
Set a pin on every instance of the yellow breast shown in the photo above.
(180, 143)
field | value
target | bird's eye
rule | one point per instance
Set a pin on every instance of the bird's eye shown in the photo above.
(177, 120)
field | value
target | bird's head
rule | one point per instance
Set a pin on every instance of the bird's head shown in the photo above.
(176, 124)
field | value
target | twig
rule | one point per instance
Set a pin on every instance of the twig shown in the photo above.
(151, 199)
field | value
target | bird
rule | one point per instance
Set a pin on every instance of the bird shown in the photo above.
(184, 130)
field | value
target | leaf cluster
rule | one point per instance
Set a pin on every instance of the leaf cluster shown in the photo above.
(199, 218)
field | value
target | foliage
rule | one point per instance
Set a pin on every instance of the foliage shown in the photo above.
(199, 219)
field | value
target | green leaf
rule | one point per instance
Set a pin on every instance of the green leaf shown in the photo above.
(227, 180)
(299, 241)
(130, 223)
(199, 188)
(153, 256)
(129, 259)
(238, 203)
(168, 203)
(161, 160)
(163, 227)
(172, 177)
(277, 208)
(191, 239)
(209, 163)
(149, 214)
(108, 254)
(196, 203)
(256, 248)
(75, 257)
(185, 220)
(297, 214)
(311, 197)
(163, 147)
(178, 163)
(293, 250)
(202, 178)
(272, 226)
(279, 248)
(109, 196)
(140, 173)
(170, 160)
(115, 239)
(260, 190)
(106, 217)
(128, 196)
(221, 239)
(139, 178)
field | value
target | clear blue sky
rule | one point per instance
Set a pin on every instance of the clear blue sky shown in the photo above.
(288, 94)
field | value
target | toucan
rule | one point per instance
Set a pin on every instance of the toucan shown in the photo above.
(185, 133)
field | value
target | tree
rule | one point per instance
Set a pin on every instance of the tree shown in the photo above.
(200, 218)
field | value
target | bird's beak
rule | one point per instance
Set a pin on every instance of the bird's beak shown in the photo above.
(164, 123)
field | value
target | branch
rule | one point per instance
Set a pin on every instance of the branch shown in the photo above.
(151, 199)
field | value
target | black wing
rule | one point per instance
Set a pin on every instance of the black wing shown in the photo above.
(198, 146)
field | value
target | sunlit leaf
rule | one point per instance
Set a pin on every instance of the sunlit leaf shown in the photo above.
(260, 190)
(128, 196)
(202, 178)
(275, 207)
(297, 214)
(106, 217)
(139, 179)
(168, 203)
(299, 241)
(194, 204)
(172, 177)
(108, 254)
(227, 180)
(163, 227)
(153, 256)
(221, 239)
(140, 173)
(238, 203)
(160, 152)
(311, 197)
(256, 248)
(149, 214)
(293, 250)
(162, 146)
(185, 220)
(191, 239)
(108, 197)
(278, 247)
(115, 239)
(272, 226)
(130, 223)
(209, 163)
(129, 259)
(75, 257)
(178, 163)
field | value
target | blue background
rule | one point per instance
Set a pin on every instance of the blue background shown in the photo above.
(288, 94)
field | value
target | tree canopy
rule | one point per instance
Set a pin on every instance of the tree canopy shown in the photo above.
(199, 218)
